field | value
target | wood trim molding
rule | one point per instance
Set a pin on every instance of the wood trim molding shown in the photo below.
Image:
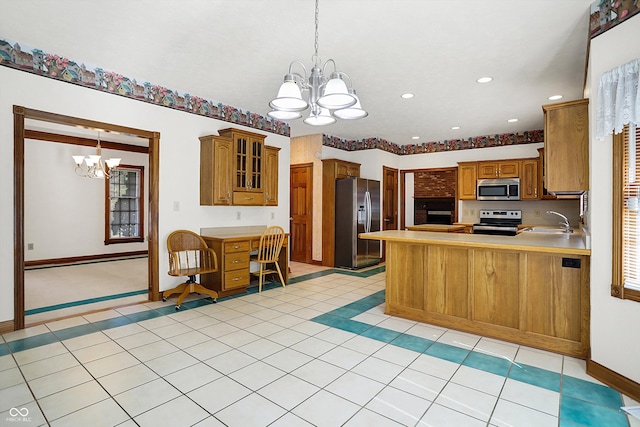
(6, 326)
(85, 258)
(21, 113)
(85, 142)
(613, 379)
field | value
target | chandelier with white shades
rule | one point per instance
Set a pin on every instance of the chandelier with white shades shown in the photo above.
(328, 97)
(93, 166)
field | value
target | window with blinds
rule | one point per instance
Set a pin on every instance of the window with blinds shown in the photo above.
(626, 214)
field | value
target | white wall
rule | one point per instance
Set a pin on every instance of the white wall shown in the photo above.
(179, 162)
(64, 213)
(614, 338)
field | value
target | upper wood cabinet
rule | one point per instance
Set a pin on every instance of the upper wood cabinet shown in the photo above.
(216, 159)
(499, 169)
(544, 194)
(248, 166)
(529, 182)
(566, 146)
(233, 169)
(467, 177)
(271, 175)
(332, 169)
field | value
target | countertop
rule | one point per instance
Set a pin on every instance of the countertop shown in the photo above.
(571, 244)
(436, 227)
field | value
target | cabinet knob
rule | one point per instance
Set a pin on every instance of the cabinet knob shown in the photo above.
(236, 246)
(235, 279)
(236, 261)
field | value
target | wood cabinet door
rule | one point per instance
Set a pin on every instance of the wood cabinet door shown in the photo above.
(555, 297)
(566, 146)
(347, 169)
(510, 169)
(487, 170)
(496, 290)
(447, 281)
(467, 180)
(529, 180)
(216, 160)
(271, 176)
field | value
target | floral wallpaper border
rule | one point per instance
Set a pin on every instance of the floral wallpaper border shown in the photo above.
(497, 140)
(606, 14)
(64, 69)
(58, 67)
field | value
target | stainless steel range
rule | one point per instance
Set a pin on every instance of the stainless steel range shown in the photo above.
(501, 222)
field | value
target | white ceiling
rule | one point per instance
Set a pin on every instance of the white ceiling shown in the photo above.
(237, 52)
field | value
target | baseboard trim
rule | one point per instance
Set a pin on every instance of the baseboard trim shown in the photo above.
(613, 379)
(84, 258)
(7, 326)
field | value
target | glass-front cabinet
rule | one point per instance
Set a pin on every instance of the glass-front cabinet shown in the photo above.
(248, 174)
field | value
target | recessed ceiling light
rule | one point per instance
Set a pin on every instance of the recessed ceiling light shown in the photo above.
(415, 137)
(555, 97)
(484, 79)
(455, 127)
(512, 120)
(407, 95)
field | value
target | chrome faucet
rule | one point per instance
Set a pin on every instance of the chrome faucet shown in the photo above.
(565, 223)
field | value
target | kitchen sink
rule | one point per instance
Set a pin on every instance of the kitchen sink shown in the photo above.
(545, 229)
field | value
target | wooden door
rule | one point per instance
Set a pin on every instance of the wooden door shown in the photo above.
(301, 182)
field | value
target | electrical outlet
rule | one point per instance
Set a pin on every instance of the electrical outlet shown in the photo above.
(29, 246)
(238, 216)
(536, 213)
(473, 211)
(273, 215)
(176, 206)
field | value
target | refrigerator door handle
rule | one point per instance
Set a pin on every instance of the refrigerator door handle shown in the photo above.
(367, 225)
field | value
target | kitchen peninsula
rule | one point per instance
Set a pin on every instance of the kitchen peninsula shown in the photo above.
(531, 289)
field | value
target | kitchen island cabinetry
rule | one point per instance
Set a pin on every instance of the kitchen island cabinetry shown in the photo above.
(566, 146)
(531, 290)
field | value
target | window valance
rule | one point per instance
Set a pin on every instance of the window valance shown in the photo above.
(618, 99)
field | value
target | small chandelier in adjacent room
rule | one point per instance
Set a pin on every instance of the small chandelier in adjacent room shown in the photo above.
(329, 97)
(93, 166)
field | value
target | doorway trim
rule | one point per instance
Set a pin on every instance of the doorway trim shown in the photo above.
(19, 115)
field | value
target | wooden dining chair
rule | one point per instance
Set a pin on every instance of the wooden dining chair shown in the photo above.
(189, 256)
(271, 242)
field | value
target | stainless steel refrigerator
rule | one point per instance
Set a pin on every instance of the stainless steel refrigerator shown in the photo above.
(357, 211)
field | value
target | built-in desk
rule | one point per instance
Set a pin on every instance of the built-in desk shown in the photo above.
(232, 246)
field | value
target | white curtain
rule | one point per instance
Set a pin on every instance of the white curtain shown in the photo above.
(618, 99)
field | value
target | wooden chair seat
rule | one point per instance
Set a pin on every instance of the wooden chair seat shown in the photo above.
(188, 257)
(271, 242)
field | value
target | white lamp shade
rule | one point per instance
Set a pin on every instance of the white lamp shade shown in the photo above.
(284, 115)
(78, 159)
(289, 98)
(336, 95)
(351, 113)
(324, 118)
(112, 163)
(92, 160)
(99, 174)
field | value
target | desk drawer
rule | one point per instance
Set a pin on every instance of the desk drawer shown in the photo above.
(230, 247)
(236, 261)
(236, 279)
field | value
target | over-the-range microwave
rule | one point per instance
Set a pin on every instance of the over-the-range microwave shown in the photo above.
(498, 189)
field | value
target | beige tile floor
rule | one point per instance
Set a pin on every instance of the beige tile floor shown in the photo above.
(261, 359)
(51, 286)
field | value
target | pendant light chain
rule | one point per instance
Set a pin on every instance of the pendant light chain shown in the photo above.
(329, 97)
(316, 57)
